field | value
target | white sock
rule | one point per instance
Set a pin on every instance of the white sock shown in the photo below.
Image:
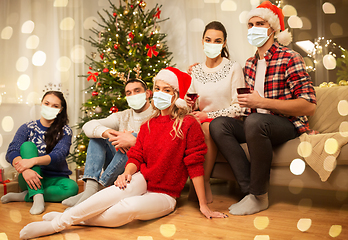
(91, 188)
(251, 204)
(71, 201)
(14, 197)
(38, 204)
(36, 229)
(49, 216)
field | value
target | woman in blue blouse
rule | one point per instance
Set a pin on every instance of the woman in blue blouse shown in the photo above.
(38, 152)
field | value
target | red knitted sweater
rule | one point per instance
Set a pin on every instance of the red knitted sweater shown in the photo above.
(166, 162)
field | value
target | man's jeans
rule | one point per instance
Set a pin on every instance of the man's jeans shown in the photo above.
(101, 154)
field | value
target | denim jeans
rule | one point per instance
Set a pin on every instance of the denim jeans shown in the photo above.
(102, 155)
(261, 132)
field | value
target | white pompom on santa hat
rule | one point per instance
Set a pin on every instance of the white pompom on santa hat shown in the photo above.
(179, 80)
(274, 16)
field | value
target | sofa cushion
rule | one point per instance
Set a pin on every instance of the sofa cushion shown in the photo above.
(327, 118)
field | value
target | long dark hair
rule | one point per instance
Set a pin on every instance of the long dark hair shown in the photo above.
(55, 132)
(218, 26)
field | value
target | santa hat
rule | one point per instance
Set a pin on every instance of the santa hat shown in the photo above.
(179, 80)
(274, 16)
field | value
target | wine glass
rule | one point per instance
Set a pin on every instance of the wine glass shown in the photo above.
(193, 97)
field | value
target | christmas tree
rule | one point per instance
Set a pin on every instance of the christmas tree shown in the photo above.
(129, 45)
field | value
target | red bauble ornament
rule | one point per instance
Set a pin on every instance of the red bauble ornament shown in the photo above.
(94, 93)
(116, 46)
(105, 70)
(90, 68)
(115, 14)
(102, 56)
(131, 35)
(132, 6)
(114, 109)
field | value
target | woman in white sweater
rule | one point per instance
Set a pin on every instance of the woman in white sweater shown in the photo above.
(215, 81)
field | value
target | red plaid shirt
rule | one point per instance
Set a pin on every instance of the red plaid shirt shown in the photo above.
(286, 78)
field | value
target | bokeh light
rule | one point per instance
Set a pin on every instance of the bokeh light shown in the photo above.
(296, 186)
(304, 224)
(196, 25)
(67, 24)
(78, 54)
(3, 236)
(261, 237)
(229, 5)
(28, 27)
(305, 205)
(342, 107)
(297, 166)
(261, 223)
(243, 17)
(343, 129)
(167, 230)
(3, 162)
(90, 23)
(329, 8)
(289, 10)
(295, 22)
(329, 62)
(336, 29)
(255, 3)
(7, 32)
(60, 3)
(330, 163)
(32, 42)
(1, 140)
(331, 146)
(304, 149)
(63, 64)
(39, 58)
(22, 64)
(335, 230)
(7, 124)
(307, 25)
(23, 82)
(15, 216)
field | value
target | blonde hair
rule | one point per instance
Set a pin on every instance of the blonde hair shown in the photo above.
(178, 114)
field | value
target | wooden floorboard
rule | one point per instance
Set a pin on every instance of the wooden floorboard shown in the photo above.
(325, 209)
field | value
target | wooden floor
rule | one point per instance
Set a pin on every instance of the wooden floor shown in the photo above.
(323, 213)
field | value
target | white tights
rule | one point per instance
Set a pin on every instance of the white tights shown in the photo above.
(110, 207)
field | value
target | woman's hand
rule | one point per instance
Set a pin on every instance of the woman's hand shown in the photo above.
(24, 164)
(200, 115)
(189, 70)
(122, 180)
(32, 178)
(210, 214)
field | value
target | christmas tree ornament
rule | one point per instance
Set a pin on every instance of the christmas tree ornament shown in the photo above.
(92, 76)
(90, 68)
(142, 4)
(93, 54)
(105, 70)
(98, 110)
(152, 50)
(158, 12)
(114, 109)
(125, 12)
(94, 93)
(102, 56)
(116, 46)
(81, 147)
(113, 73)
(131, 35)
(115, 14)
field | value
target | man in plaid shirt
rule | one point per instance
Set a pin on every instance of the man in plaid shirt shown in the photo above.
(281, 97)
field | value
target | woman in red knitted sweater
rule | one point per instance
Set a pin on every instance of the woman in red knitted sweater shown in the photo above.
(170, 147)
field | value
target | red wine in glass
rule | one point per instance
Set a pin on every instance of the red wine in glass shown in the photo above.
(193, 97)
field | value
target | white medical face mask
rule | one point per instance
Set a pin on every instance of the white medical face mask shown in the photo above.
(162, 100)
(212, 50)
(49, 113)
(257, 36)
(136, 101)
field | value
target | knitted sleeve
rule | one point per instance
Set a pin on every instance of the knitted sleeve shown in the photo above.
(20, 137)
(135, 153)
(237, 81)
(61, 150)
(96, 127)
(195, 150)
